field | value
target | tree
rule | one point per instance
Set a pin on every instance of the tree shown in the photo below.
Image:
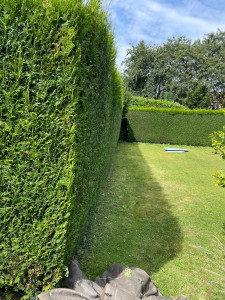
(179, 66)
(180, 75)
(169, 96)
(137, 64)
(199, 96)
(212, 68)
(156, 79)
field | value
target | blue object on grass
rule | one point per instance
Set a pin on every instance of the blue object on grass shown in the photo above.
(175, 150)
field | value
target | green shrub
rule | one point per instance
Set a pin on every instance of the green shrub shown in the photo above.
(199, 96)
(146, 102)
(169, 96)
(173, 126)
(218, 144)
(60, 115)
(127, 99)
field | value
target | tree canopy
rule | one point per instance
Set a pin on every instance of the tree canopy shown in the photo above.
(189, 72)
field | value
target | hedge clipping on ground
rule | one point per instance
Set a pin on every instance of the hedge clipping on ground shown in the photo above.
(173, 126)
(60, 116)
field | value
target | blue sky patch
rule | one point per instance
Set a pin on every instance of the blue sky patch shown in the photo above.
(157, 20)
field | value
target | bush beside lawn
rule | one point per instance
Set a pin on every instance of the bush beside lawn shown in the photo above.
(60, 116)
(174, 126)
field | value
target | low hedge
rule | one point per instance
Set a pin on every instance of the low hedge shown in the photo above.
(60, 115)
(173, 126)
(174, 111)
(136, 101)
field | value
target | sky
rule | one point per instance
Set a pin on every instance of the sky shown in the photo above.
(154, 21)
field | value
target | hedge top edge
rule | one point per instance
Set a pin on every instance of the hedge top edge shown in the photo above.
(177, 110)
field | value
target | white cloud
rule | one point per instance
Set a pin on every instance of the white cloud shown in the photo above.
(155, 21)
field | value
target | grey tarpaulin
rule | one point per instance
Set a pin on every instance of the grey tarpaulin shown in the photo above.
(116, 283)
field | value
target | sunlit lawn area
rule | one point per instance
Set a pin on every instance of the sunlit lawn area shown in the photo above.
(157, 208)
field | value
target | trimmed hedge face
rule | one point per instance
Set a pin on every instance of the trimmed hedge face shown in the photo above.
(60, 110)
(168, 127)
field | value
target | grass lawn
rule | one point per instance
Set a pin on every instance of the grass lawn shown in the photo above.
(157, 208)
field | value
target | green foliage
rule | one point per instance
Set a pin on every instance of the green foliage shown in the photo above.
(175, 110)
(173, 126)
(135, 103)
(145, 102)
(127, 99)
(218, 144)
(211, 50)
(136, 67)
(172, 69)
(220, 178)
(199, 97)
(60, 114)
(169, 96)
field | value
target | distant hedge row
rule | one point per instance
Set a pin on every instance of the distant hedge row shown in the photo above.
(173, 126)
(174, 110)
(136, 101)
(60, 115)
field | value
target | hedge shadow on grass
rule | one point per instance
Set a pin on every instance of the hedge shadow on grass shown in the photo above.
(134, 225)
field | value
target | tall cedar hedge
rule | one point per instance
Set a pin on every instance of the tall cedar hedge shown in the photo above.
(173, 125)
(60, 115)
